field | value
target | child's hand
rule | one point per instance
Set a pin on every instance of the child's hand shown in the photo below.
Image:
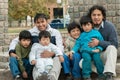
(96, 50)
(61, 58)
(33, 62)
(70, 55)
(24, 74)
(14, 55)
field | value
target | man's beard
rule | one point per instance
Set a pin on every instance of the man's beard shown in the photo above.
(97, 25)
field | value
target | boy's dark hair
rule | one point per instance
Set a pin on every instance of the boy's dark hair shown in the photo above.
(73, 25)
(44, 34)
(25, 35)
(40, 15)
(101, 8)
(85, 19)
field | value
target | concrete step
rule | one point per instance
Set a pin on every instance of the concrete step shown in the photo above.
(5, 74)
(4, 57)
(5, 70)
(4, 65)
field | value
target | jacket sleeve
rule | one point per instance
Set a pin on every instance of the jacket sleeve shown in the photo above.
(77, 45)
(56, 50)
(59, 41)
(20, 62)
(13, 44)
(111, 37)
(32, 54)
(100, 38)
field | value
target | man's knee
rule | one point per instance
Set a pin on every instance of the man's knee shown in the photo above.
(111, 47)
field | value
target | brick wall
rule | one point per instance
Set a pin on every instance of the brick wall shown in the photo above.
(3, 22)
(78, 8)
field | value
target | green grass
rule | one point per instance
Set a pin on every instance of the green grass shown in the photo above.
(17, 30)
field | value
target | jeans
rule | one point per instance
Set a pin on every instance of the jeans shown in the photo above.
(15, 68)
(72, 66)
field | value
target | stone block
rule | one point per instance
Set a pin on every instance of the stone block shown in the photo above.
(4, 65)
(88, 1)
(2, 17)
(111, 7)
(5, 75)
(114, 20)
(76, 15)
(118, 1)
(118, 13)
(6, 5)
(70, 10)
(1, 5)
(81, 2)
(110, 13)
(118, 20)
(76, 9)
(81, 8)
(70, 2)
(2, 24)
(76, 2)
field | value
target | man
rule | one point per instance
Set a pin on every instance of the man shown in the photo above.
(41, 24)
(110, 43)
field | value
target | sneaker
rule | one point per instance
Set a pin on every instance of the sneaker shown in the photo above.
(87, 78)
(109, 76)
(77, 79)
(51, 77)
(101, 77)
(18, 77)
(44, 76)
(68, 77)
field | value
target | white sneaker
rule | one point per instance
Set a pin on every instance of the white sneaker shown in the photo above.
(18, 77)
(51, 77)
(43, 76)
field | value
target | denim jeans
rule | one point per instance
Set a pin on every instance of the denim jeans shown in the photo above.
(15, 68)
(72, 66)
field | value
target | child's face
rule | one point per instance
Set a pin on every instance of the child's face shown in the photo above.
(25, 42)
(44, 41)
(75, 33)
(87, 27)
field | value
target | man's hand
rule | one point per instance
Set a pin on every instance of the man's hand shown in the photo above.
(96, 50)
(14, 55)
(24, 74)
(94, 42)
(46, 54)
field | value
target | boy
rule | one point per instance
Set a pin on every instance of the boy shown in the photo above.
(71, 66)
(89, 53)
(22, 51)
(43, 65)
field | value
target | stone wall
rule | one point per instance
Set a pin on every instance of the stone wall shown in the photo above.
(3, 22)
(78, 8)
